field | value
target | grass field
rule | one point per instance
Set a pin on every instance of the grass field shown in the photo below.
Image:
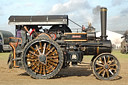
(70, 76)
(119, 55)
(4, 56)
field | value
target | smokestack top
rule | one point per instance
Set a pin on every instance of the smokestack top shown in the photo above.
(103, 9)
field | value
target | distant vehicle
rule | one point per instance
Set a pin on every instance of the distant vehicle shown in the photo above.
(124, 43)
(4, 40)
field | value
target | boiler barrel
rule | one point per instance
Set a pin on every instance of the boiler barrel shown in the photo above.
(106, 47)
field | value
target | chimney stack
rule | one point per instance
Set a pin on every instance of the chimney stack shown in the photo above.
(103, 23)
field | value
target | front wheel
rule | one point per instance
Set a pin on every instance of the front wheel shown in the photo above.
(106, 66)
(42, 58)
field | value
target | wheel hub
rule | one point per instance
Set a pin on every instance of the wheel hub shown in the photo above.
(106, 66)
(42, 59)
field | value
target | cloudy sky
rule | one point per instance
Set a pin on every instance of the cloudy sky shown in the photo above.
(80, 11)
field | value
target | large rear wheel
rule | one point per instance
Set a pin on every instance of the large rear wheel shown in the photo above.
(106, 66)
(42, 58)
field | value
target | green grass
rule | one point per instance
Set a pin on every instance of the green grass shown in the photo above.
(118, 54)
(4, 56)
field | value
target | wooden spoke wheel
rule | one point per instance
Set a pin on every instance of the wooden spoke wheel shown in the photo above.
(42, 58)
(106, 66)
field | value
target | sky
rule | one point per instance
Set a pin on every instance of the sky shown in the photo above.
(80, 11)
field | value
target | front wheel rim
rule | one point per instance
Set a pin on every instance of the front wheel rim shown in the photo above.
(106, 67)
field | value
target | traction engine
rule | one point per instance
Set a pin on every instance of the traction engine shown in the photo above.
(45, 53)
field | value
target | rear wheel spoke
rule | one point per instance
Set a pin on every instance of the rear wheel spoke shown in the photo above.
(41, 46)
(44, 48)
(33, 53)
(48, 47)
(50, 51)
(48, 69)
(54, 60)
(53, 53)
(37, 69)
(30, 64)
(50, 57)
(31, 59)
(38, 50)
(52, 63)
(31, 56)
(34, 66)
(44, 70)
(52, 68)
(40, 69)
(34, 49)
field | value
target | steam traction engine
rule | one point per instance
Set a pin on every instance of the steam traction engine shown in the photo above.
(124, 43)
(43, 56)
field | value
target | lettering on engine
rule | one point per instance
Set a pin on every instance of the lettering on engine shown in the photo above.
(76, 36)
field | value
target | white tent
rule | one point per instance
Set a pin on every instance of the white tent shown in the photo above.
(113, 36)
